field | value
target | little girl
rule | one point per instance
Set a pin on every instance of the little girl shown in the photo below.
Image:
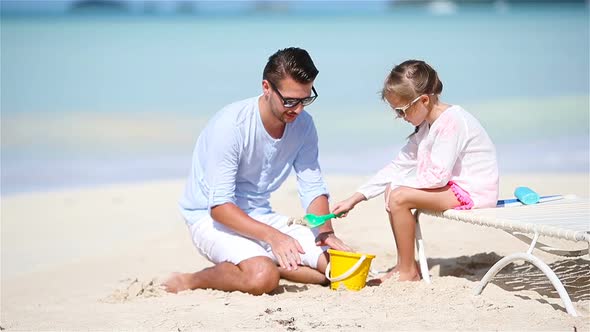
(449, 161)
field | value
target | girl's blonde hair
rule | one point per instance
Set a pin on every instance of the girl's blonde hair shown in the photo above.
(411, 79)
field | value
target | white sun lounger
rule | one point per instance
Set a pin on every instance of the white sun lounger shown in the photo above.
(568, 219)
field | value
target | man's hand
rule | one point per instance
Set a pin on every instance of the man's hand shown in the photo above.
(286, 249)
(331, 240)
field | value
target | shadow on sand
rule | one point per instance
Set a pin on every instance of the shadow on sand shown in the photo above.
(573, 273)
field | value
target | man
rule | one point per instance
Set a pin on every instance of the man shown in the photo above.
(246, 151)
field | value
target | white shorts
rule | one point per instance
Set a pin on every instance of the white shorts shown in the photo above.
(221, 244)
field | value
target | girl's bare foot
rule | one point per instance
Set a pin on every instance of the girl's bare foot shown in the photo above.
(392, 273)
(396, 275)
(177, 282)
(409, 276)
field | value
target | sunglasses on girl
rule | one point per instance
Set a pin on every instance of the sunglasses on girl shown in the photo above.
(401, 111)
(292, 102)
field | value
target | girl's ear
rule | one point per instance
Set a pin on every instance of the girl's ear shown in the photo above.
(426, 100)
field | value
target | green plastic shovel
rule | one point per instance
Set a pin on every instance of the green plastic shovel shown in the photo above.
(315, 221)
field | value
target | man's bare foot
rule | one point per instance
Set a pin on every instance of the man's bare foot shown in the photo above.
(177, 282)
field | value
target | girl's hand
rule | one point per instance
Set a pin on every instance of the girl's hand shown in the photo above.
(348, 204)
(343, 207)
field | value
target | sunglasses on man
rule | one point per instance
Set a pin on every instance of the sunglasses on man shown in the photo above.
(292, 102)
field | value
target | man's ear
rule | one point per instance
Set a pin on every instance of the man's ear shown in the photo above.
(265, 88)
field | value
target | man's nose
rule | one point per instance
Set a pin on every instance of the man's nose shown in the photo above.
(297, 109)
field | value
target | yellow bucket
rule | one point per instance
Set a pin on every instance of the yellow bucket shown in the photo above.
(348, 269)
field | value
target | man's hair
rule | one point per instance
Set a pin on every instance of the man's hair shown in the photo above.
(290, 62)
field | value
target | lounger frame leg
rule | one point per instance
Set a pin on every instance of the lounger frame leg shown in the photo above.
(422, 254)
(538, 263)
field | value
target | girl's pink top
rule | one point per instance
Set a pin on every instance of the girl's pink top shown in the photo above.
(455, 148)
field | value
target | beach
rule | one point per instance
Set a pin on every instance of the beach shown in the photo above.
(92, 258)
(100, 113)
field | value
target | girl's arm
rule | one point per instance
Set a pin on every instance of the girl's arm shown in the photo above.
(348, 204)
(400, 167)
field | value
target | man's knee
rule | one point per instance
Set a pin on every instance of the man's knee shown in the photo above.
(262, 276)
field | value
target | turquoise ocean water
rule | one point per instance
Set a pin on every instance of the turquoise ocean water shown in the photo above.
(94, 99)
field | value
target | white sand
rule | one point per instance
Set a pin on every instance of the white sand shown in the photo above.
(86, 260)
